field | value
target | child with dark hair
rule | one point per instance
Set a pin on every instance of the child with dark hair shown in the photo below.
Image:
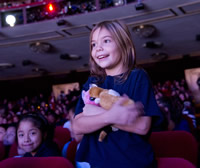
(31, 135)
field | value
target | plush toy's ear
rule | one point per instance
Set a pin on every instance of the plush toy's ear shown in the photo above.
(95, 91)
(92, 85)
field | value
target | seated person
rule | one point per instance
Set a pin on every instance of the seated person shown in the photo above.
(10, 135)
(9, 138)
(31, 135)
(2, 132)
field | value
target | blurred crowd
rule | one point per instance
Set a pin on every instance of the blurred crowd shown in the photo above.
(173, 98)
(177, 104)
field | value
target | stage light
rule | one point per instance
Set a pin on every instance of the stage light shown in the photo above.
(51, 7)
(11, 20)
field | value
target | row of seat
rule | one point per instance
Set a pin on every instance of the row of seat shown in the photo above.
(170, 147)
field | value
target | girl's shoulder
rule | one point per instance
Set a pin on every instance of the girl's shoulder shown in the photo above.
(139, 72)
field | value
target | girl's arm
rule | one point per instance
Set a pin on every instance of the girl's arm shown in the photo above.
(141, 126)
(86, 122)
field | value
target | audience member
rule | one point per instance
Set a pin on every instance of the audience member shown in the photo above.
(31, 135)
(2, 132)
(10, 135)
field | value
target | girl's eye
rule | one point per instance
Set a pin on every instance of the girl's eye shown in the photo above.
(107, 40)
(93, 45)
(20, 135)
(33, 133)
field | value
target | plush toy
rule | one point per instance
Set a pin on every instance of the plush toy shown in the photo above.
(104, 98)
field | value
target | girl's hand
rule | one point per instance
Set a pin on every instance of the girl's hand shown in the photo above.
(90, 109)
(124, 115)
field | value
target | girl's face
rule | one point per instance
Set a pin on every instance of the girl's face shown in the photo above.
(29, 137)
(105, 52)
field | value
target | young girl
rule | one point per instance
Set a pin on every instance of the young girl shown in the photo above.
(31, 136)
(112, 67)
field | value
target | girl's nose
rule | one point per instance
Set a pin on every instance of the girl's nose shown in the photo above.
(26, 138)
(99, 47)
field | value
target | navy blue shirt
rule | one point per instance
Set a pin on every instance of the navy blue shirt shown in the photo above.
(121, 148)
(46, 149)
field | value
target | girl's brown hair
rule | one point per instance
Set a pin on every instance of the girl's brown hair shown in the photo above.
(122, 37)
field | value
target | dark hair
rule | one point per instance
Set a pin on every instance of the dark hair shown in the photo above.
(38, 120)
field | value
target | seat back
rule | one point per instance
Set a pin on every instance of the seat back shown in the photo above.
(174, 163)
(2, 151)
(61, 136)
(69, 151)
(13, 150)
(36, 162)
(179, 144)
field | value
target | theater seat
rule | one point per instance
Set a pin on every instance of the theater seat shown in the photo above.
(61, 136)
(36, 162)
(13, 150)
(179, 144)
(2, 151)
(69, 151)
(174, 163)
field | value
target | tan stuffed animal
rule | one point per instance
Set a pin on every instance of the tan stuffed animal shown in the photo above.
(105, 98)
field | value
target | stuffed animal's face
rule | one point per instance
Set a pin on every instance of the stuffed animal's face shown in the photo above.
(102, 97)
(87, 99)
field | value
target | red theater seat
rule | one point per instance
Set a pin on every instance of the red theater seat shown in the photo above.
(69, 151)
(13, 150)
(36, 162)
(2, 151)
(174, 163)
(180, 144)
(61, 136)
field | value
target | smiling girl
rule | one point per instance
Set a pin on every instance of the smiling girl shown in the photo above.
(31, 136)
(112, 66)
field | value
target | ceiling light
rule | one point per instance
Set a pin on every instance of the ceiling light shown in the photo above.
(139, 5)
(67, 56)
(6, 65)
(11, 20)
(63, 22)
(28, 62)
(153, 44)
(40, 70)
(144, 30)
(118, 2)
(40, 47)
(160, 56)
